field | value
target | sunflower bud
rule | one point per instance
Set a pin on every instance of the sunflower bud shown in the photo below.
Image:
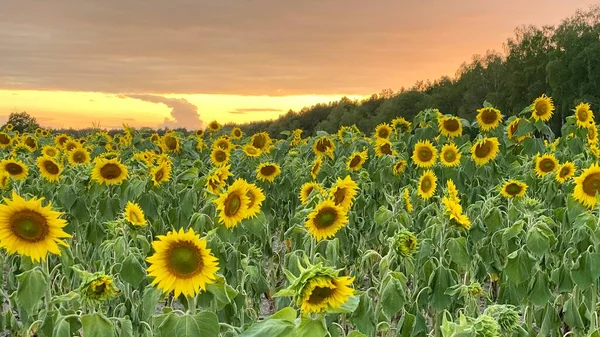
(404, 243)
(97, 288)
(506, 315)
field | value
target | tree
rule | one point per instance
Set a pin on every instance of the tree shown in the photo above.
(22, 121)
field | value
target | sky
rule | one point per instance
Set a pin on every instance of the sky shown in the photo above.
(79, 63)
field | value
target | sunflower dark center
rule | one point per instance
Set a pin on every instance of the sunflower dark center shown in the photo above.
(541, 108)
(232, 204)
(489, 116)
(425, 154)
(4, 139)
(62, 140)
(426, 185)
(30, 142)
(339, 196)
(78, 157)
(386, 149)
(214, 126)
(383, 133)
(547, 165)
(29, 225)
(319, 294)
(564, 171)
(237, 133)
(355, 161)
(110, 171)
(451, 125)
(159, 175)
(220, 156)
(449, 155)
(268, 170)
(399, 166)
(591, 132)
(51, 167)
(483, 149)
(223, 145)
(14, 168)
(591, 184)
(323, 145)
(582, 115)
(184, 259)
(259, 141)
(71, 145)
(513, 189)
(308, 191)
(315, 169)
(98, 288)
(252, 199)
(325, 218)
(171, 143)
(513, 127)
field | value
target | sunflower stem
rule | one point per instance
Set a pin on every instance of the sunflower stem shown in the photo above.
(192, 304)
(48, 295)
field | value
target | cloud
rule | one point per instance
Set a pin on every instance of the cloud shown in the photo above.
(184, 114)
(242, 111)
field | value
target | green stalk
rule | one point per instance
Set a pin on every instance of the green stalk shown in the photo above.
(192, 304)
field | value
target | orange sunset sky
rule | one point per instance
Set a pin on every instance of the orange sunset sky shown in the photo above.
(72, 63)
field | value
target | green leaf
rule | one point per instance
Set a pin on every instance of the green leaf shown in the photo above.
(586, 269)
(204, 324)
(124, 327)
(571, 312)
(538, 241)
(356, 333)
(441, 279)
(363, 315)
(280, 324)
(132, 271)
(392, 297)
(97, 325)
(540, 291)
(62, 328)
(458, 251)
(223, 292)
(149, 301)
(312, 328)
(32, 286)
(519, 266)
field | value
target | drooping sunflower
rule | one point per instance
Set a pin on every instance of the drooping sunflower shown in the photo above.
(452, 190)
(97, 288)
(488, 118)
(255, 199)
(383, 147)
(450, 126)
(161, 173)
(324, 146)
(15, 168)
(587, 186)
(512, 129)
(399, 167)
(592, 133)
(236, 133)
(134, 214)
(233, 204)
(545, 164)
(400, 123)
(262, 141)
(79, 156)
(214, 126)
(223, 143)
(4, 180)
(109, 171)
(356, 160)
(49, 168)
(343, 192)
(450, 155)
(251, 151)
(4, 140)
(455, 213)
(182, 263)
(513, 189)
(50, 151)
(542, 108)
(485, 150)
(427, 185)
(267, 171)
(30, 142)
(584, 115)
(565, 171)
(322, 293)
(404, 243)
(31, 229)
(308, 188)
(424, 154)
(407, 203)
(326, 220)
(316, 167)
(219, 157)
(383, 130)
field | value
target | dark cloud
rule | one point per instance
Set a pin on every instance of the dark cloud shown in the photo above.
(184, 114)
(258, 47)
(242, 111)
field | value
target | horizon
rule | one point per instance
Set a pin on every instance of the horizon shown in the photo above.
(72, 71)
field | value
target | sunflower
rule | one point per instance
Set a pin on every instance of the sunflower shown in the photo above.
(134, 214)
(587, 186)
(424, 154)
(455, 213)
(450, 156)
(161, 173)
(513, 189)
(267, 171)
(61, 139)
(545, 164)
(383, 147)
(325, 220)
(488, 118)
(592, 133)
(45, 133)
(236, 133)
(399, 167)
(407, 203)
(109, 171)
(356, 160)
(308, 188)
(219, 157)
(155, 138)
(214, 126)
(324, 146)
(97, 288)
(451, 190)
(343, 192)
(15, 168)
(251, 151)
(30, 229)
(316, 167)
(223, 143)
(30, 142)
(565, 172)
(199, 133)
(182, 263)
(584, 115)
(512, 129)
(297, 137)
(71, 144)
(262, 141)
(79, 156)
(171, 143)
(49, 168)
(4, 140)
(542, 108)
(405, 243)
(9, 127)
(450, 126)
(50, 151)
(399, 123)
(427, 185)
(323, 293)
(4, 180)
(485, 150)
(255, 198)
(383, 130)
(233, 204)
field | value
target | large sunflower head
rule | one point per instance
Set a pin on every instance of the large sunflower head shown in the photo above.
(383, 146)
(324, 146)
(50, 151)
(30, 142)
(512, 129)
(424, 154)
(4, 140)
(450, 126)
(404, 243)
(383, 130)
(223, 143)
(262, 141)
(308, 188)
(49, 168)
(565, 172)
(584, 115)
(343, 192)
(233, 204)
(134, 214)
(325, 220)
(236, 133)
(399, 167)
(587, 186)
(427, 185)
(161, 173)
(79, 156)
(31, 229)
(171, 143)
(219, 157)
(255, 198)
(322, 293)
(488, 118)
(542, 108)
(316, 167)
(592, 133)
(356, 160)
(109, 171)
(267, 171)
(71, 144)
(513, 189)
(15, 168)
(61, 139)
(251, 151)
(214, 126)
(485, 150)
(182, 263)
(545, 164)
(450, 155)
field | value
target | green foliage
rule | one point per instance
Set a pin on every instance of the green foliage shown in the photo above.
(22, 121)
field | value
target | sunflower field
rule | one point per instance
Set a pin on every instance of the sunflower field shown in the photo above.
(437, 226)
